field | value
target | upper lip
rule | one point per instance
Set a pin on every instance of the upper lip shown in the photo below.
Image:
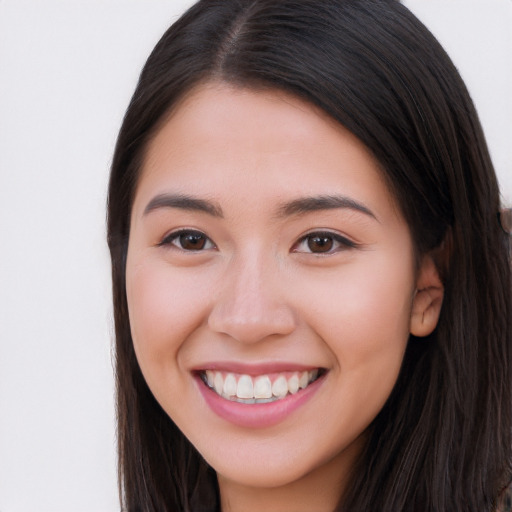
(254, 369)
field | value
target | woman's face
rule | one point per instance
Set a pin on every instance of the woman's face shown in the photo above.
(270, 283)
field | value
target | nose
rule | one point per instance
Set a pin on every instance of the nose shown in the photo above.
(251, 304)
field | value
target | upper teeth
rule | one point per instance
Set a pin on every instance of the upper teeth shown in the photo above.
(262, 388)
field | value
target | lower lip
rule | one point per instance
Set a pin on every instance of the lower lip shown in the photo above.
(257, 415)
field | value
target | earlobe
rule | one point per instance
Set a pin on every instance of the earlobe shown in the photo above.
(427, 300)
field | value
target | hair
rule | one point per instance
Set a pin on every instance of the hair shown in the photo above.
(443, 441)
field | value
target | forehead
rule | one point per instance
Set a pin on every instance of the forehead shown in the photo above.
(213, 110)
(267, 142)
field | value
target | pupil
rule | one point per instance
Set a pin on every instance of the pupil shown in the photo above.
(320, 244)
(192, 242)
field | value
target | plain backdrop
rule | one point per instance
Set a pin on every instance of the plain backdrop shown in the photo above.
(67, 71)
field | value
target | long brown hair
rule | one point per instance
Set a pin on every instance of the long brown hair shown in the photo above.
(443, 440)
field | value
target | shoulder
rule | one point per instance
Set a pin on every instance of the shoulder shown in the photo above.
(505, 500)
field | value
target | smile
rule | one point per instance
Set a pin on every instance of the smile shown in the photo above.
(260, 389)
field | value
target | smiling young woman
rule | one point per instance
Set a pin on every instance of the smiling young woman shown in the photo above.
(236, 305)
(300, 199)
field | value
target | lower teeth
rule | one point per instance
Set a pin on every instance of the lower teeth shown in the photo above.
(253, 400)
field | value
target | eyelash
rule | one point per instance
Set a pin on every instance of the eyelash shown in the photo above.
(342, 242)
(337, 242)
(176, 236)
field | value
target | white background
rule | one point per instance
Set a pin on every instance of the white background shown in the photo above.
(67, 71)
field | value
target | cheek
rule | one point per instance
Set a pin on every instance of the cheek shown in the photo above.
(165, 306)
(363, 316)
(377, 313)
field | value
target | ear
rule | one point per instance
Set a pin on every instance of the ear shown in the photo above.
(428, 298)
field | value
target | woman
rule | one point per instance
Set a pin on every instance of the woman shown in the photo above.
(311, 282)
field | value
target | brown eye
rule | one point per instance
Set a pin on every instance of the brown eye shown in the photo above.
(188, 241)
(323, 242)
(192, 241)
(320, 243)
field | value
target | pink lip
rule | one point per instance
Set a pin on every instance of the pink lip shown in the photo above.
(256, 415)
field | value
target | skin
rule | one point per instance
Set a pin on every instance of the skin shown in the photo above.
(256, 292)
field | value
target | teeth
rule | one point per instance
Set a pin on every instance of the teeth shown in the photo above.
(229, 388)
(261, 389)
(293, 384)
(218, 383)
(245, 387)
(280, 387)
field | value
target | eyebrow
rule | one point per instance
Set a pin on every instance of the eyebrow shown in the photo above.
(183, 202)
(295, 207)
(312, 204)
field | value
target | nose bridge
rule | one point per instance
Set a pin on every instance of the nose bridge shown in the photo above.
(251, 304)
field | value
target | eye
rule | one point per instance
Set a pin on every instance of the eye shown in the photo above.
(188, 240)
(324, 242)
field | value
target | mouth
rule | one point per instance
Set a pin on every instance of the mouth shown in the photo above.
(259, 389)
